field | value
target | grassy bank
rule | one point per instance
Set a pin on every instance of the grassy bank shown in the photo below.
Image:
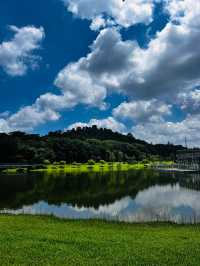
(79, 167)
(83, 167)
(27, 240)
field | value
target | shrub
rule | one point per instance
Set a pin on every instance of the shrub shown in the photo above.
(46, 162)
(21, 170)
(90, 167)
(119, 166)
(102, 161)
(30, 168)
(35, 167)
(62, 162)
(91, 162)
(145, 161)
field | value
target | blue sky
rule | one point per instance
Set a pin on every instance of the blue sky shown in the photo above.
(60, 46)
(130, 66)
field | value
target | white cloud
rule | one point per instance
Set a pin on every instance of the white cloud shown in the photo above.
(16, 55)
(86, 81)
(75, 89)
(190, 101)
(167, 70)
(174, 132)
(183, 12)
(4, 114)
(142, 111)
(27, 118)
(164, 203)
(154, 78)
(109, 123)
(171, 61)
(78, 86)
(98, 23)
(47, 107)
(31, 116)
(78, 82)
(168, 65)
(122, 13)
(4, 127)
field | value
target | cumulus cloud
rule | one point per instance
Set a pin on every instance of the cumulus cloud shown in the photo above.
(4, 114)
(171, 61)
(98, 23)
(167, 70)
(87, 79)
(16, 55)
(79, 83)
(165, 73)
(27, 118)
(174, 132)
(190, 101)
(109, 123)
(78, 86)
(121, 13)
(183, 12)
(142, 111)
(169, 65)
(4, 127)
(47, 107)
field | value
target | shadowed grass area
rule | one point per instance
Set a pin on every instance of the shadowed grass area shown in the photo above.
(32, 240)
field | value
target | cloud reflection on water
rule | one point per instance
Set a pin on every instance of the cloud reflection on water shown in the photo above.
(163, 203)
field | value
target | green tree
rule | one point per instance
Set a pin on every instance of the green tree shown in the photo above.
(91, 162)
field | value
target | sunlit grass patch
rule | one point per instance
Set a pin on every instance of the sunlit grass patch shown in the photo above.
(84, 167)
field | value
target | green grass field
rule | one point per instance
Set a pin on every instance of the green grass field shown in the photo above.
(31, 240)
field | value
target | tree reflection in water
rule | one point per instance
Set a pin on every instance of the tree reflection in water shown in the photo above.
(128, 196)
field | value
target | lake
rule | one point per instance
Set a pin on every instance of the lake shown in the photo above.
(129, 196)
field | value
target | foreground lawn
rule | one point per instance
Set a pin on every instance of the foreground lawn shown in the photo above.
(27, 240)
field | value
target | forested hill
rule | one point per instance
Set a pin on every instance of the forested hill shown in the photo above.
(80, 145)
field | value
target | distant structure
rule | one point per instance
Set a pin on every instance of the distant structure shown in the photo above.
(186, 145)
(189, 159)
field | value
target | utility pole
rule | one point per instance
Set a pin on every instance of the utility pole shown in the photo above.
(186, 145)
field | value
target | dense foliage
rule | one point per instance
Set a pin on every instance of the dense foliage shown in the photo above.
(80, 145)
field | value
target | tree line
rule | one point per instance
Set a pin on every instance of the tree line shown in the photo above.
(80, 145)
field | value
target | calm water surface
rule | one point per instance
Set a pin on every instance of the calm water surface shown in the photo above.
(132, 196)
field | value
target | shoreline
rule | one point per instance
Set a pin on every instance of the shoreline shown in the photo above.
(98, 220)
(78, 167)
